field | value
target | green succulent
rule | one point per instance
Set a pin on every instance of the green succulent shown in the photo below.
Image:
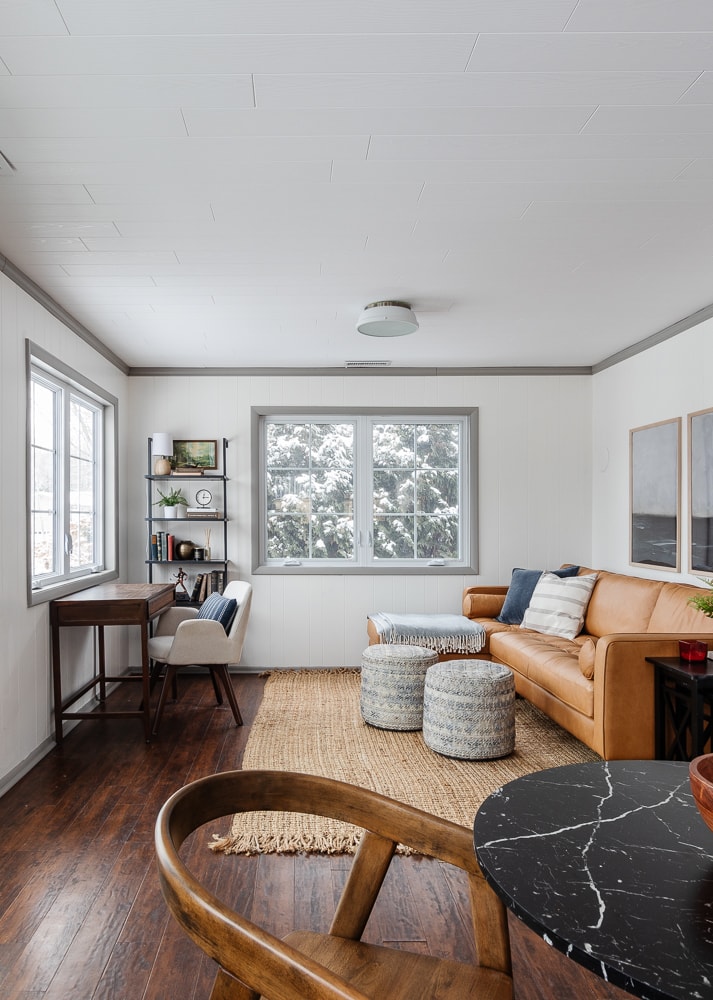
(704, 602)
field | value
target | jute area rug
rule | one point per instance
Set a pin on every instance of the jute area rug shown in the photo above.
(309, 721)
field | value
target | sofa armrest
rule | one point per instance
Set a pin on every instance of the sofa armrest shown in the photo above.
(624, 691)
(483, 602)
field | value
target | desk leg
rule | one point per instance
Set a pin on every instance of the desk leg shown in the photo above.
(146, 679)
(102, 663)
(57, 684)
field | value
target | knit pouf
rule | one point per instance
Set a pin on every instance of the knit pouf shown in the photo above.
(469, 709)
(392, 679)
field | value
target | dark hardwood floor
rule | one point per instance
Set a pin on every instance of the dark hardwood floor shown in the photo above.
(81, 913)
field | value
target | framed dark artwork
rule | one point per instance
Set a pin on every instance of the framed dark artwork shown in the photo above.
(655, 494)
(700, 491)
(195, 454)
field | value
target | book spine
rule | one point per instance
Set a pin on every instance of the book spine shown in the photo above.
(196, 592)
(154, 547)
(170, 543)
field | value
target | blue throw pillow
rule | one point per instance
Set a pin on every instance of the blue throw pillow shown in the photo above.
(219, 609)
(522, 585)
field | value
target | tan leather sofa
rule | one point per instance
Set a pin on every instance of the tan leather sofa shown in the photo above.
(598, 685)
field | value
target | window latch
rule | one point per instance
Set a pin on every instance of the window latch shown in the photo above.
(437, 562)
(292, 562)
(68, 544)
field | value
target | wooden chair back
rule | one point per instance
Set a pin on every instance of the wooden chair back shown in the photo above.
(334, 966)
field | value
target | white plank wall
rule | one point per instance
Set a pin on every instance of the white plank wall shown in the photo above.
(535, 493)
(25, 688)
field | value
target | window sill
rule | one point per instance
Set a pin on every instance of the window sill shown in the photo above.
(66, 587)
(332, 570)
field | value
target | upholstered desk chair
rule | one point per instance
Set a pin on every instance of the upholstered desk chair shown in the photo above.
(338, 965)
(183, 638)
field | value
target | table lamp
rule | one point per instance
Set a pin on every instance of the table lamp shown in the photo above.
(161, 449)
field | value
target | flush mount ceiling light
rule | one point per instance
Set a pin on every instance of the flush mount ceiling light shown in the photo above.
(387, 319)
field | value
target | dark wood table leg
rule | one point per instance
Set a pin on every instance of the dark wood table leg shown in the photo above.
(57, 681)
(146, 679)
(102, 663)
(659, 716)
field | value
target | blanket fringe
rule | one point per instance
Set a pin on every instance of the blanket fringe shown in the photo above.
(440, 644)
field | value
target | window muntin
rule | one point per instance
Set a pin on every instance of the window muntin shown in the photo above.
(66, 435)
(361, 490)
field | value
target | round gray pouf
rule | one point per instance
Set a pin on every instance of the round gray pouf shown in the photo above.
(469, 709)
(392, 679)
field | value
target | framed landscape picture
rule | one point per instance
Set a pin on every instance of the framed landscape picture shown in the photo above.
(700, 492)
(195, 454)
(655, 494)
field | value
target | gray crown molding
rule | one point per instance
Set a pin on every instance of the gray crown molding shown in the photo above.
(680, 326)
(342, 372)
(59, 312)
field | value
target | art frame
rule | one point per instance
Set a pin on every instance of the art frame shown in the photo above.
(700, 492)
(655, 495)
(196, 454)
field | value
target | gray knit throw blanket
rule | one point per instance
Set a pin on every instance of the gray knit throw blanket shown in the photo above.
(442, 633)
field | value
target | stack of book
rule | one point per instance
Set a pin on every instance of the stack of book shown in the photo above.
(162, 545)
(186, 470)
(208, 583)
(208, 513)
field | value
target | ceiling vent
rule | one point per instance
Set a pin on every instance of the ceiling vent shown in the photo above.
(367, 364)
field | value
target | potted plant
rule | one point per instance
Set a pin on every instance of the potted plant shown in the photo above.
(170, 502)
(704, 602)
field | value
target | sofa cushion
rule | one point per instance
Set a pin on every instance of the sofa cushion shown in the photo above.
(522, 585)
(621, 603)
(548, 661)
(673, 613)
(558, 605)
(587, 653)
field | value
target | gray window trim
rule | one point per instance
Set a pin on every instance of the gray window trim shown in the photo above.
(258, 568)
(35, 355)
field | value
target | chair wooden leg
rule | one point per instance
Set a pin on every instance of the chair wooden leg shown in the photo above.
(216, 687)
(222, 672)
(169, 678)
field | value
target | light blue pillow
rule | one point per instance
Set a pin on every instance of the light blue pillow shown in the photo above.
(219, 609)
(522, 585)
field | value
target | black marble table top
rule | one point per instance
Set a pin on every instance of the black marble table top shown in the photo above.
(610, 863)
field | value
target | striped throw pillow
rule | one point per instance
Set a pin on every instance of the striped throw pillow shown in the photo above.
(558, 606)
(219, 609)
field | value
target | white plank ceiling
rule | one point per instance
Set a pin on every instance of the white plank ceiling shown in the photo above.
(224, 183)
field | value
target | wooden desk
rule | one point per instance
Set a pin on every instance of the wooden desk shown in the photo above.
(108, 604)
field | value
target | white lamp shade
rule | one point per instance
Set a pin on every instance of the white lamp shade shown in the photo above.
(161, 443)
(387, 319)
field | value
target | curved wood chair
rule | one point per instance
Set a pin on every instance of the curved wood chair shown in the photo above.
(334, 966)
(183, 640)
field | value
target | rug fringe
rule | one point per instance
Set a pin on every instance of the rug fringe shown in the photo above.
(285, 844)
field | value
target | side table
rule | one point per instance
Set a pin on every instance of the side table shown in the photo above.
(683, 693)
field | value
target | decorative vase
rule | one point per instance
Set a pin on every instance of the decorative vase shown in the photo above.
(184, 550)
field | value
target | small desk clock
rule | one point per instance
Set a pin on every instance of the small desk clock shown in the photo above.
(203, 498)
